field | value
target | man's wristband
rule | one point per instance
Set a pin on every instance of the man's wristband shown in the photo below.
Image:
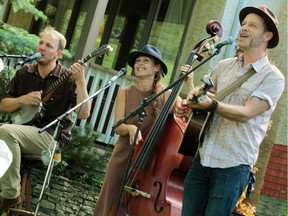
(213, 106)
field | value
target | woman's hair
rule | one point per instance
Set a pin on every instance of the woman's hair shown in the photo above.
(157, 87)
(61, 39)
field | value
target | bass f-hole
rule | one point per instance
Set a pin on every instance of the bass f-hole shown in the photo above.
(158, 184)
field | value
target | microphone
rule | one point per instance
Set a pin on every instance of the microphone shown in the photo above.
(121, 73)
(219, 45)
(30, 58)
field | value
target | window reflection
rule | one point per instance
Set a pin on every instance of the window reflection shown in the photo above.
(164, 29)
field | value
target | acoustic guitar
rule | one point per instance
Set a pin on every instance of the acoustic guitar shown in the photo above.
(197, 122)
(28, 113)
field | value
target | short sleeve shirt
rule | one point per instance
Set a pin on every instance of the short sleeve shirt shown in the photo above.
(230, 143)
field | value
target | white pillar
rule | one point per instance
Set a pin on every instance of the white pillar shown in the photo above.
(94, 19)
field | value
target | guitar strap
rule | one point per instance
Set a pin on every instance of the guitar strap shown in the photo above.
(229, 89)
(222, 94)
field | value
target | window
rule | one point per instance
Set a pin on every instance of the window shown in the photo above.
(68, 17)
(132, 24)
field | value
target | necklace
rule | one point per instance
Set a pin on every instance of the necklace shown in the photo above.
(143, 94)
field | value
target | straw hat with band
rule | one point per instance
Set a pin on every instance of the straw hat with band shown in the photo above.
(269, 18)
(150, 51)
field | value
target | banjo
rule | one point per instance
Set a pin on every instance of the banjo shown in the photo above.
(27, 113)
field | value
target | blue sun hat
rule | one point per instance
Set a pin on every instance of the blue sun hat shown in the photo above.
(147, 50)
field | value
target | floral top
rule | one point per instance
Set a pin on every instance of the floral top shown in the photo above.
(230, 143)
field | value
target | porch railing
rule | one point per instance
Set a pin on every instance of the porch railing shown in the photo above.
(103, 105)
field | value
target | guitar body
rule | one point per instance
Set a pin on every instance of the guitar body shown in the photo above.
(191, 140)
(193, 135)
(27, 113)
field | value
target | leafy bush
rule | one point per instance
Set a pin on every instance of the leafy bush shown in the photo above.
(28, 7)
(5, 77)
(15, 40)
(82, 161)
(18, 41)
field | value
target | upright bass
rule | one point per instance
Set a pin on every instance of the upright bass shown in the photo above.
(154, 183)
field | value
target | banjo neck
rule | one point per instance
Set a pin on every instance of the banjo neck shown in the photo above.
(48, 93)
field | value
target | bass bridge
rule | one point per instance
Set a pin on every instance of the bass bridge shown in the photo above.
(134, 192)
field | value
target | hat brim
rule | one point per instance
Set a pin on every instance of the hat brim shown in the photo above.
(133, 55)
(270, 23)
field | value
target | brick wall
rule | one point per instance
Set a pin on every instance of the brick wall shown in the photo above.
(275, 184)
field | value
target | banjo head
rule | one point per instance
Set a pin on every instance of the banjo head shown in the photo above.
(25, 114)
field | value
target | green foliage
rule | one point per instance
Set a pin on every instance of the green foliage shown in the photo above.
(28, 7)
(82, 161)
(5, 77)
(67, 54)
(18, 41)
(285, 210)
(15, 40)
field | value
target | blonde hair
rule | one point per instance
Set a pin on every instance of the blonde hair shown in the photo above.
(58, 35)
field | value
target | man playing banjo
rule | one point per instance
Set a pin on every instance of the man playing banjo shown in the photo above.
(26, 89)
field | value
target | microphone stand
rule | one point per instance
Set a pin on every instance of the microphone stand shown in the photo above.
(57, 137)
(13, 56)
(141, 112)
